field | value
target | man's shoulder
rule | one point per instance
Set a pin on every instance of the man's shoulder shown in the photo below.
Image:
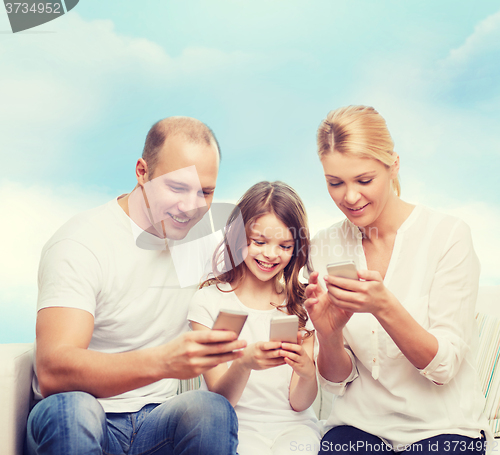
(87, 226)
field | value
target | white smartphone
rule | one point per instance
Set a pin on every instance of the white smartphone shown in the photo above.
(284, 328)
(230, 320)
(344, 269)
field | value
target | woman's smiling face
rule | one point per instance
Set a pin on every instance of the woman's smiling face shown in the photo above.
(360, 187)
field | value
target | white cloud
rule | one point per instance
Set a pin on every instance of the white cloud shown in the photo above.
(30, 215)
(469, 74)
(71, 73)
(444, 119)
(484, 42)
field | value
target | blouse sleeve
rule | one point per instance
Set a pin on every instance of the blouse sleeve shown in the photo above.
(339, 388)
(452, 300)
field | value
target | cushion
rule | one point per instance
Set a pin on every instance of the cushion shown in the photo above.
(487, 364)
(488, 300)
(16, 370)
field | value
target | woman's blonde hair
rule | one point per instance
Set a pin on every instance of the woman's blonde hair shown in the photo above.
(360, 131)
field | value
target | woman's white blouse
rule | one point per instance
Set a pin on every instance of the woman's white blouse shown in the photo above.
(434, 274)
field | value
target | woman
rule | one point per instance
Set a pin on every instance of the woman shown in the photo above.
(397, 347)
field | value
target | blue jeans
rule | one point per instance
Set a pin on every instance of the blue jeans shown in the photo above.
(344, 440)
(74, 423)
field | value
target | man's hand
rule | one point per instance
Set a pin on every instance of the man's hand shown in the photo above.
(193, 353)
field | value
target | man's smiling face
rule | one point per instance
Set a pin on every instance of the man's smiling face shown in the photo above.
(182, 186)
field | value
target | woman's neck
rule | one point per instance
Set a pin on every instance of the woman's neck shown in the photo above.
(394, 214)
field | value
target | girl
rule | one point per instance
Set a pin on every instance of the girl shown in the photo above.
(396, 347)
(256, 270)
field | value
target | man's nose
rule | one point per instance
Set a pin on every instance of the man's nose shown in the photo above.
(190, 201)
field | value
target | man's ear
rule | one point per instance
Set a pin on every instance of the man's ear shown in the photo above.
(141, 172)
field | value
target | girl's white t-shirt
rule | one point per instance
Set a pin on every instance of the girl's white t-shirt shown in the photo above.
(265, 398)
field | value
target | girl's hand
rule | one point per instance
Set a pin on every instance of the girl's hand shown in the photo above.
(326, 316)
(262, 355)
(296, 356)
(369, 296)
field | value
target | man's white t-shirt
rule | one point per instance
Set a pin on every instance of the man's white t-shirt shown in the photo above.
(93, 263)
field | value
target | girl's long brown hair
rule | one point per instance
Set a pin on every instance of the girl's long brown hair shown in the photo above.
(262, 198)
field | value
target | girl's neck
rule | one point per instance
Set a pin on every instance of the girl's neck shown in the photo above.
(258, 294)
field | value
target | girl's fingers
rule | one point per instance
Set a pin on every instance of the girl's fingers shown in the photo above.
(291, 347)
(270, 345)
(273, 362)
(290, 355)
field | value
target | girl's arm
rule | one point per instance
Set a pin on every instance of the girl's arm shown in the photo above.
(303, 385)
(231, 381)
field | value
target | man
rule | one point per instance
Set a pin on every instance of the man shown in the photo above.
(112, 317)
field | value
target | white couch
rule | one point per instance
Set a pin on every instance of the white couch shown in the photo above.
(16, 372)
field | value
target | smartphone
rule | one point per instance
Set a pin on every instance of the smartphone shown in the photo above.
(230, 320)
(345, 269)
(284, 328)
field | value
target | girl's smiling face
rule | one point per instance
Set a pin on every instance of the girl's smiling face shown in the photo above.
(270, 247)
(360, 187)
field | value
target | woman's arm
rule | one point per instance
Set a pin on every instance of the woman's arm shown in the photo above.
(231, 381)
(303, 385)
(439, 350)
(371, 296)
(334, 364)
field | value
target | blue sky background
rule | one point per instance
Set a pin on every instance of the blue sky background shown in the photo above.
(77, 96)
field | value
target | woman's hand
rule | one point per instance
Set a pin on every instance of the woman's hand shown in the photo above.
(262, 355)
(296, 356)
(326, 316)
(368, 296)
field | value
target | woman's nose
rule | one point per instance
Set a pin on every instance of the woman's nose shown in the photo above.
(351, 196)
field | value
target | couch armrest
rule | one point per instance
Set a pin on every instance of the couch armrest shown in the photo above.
(16, 373)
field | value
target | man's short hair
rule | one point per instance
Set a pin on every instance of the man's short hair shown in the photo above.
(190, 128)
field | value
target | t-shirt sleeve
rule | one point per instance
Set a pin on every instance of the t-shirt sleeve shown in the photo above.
(452, 302)
(203, 308)
(69, 276)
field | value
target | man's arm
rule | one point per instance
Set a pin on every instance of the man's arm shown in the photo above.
(65, 364)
